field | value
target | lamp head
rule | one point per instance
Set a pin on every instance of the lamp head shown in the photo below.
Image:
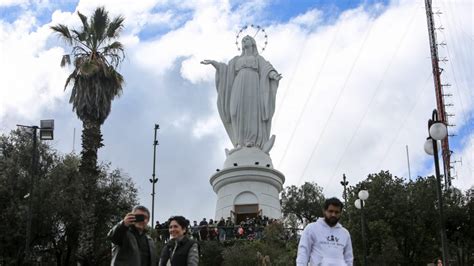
(46, 129)
(363, 194)
(438, 130)
(429, 146)
(357, 204)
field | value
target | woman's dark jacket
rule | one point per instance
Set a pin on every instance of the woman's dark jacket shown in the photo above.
(183, 252)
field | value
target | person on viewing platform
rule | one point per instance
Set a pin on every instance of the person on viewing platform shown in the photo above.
(130, 243)
(326, 242)
(229, 229)
(195, 231)
(221, 228)
(203, 231)
(180, 250)
(212, 234)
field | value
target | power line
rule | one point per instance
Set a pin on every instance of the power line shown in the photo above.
(310, 95)
(408, 115)
(277, 112)
(294, 71)
(337, 101)
(377, 89)
(464, 68)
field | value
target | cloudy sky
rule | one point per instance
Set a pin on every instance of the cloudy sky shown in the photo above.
(356, 91)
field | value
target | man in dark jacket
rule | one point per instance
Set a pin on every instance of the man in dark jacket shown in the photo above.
(130, 243)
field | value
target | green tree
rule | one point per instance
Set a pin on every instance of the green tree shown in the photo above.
(459, 225)
(56, 203)
(305, 202)
(468, 229)
(274, 249)
(402, 221)
(399, 220)
(96, 82)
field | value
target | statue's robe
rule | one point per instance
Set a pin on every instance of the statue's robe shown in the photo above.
(246, 99)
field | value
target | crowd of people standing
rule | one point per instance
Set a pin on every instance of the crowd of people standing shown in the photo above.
(323, 242)
(224, 229)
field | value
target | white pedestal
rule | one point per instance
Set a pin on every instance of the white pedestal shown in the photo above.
(248, 178)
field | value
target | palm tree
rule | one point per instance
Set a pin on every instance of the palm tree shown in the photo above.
(95, 83)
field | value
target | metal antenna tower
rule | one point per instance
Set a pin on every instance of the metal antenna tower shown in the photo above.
(440, 105)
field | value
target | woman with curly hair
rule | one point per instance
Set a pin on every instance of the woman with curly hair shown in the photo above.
(180, 250)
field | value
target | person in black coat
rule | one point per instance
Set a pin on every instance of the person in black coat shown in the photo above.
(180, 250)
(130, 243)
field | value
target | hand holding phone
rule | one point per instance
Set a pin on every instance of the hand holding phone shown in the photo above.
(139, 217)
(129, 219)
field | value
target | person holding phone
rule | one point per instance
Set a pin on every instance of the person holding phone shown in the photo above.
(130, 243)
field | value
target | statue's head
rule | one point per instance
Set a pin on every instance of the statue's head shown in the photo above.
(249, 43)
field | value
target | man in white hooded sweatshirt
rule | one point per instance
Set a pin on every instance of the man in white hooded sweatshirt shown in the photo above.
(325, 242)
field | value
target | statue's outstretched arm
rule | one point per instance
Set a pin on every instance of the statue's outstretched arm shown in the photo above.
(212, 62)
(274, 75)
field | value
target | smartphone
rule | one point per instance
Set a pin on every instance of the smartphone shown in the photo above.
(139, 217)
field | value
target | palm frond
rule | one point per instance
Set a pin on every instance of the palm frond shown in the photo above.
(81, 36)
(66, 60)
(114, 51)
(63, 32)
(115, 26)
(72, 76)
(115, 46)
(85, 24)
(79, 51)
(99, 22)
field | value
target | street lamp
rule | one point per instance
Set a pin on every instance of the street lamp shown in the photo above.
(359, 203)
(153, 179)
(437, 130)
(46, 129)
(344, 183)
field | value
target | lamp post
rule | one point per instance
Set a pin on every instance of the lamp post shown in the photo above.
(344, 183)
(46, 133)
(359, 203)
(437, 131)
(153, 179)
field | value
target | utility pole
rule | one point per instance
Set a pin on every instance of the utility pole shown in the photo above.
(46, 130)
(153, 179)
(30, 201)
(408, 162)
(344, 183)
(440, 106)
(364, 237)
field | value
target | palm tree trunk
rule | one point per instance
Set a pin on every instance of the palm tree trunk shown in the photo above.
(91, 142)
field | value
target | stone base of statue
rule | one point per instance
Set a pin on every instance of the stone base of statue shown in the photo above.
(247, 186)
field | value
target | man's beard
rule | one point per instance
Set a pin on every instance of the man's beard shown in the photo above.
(331, 221)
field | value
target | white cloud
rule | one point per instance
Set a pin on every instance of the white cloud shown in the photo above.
(207, 125)
(31, 77)
(308, 19)
(464, 169)
(5, 3)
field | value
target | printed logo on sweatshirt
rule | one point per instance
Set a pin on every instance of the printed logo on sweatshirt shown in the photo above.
(332, 238)
(332, 241)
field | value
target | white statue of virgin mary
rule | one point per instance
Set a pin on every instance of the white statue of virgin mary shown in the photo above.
(246, 89)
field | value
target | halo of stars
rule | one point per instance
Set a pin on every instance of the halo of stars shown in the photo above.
(257, 29)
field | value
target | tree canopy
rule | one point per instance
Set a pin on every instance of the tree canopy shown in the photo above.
(56, 200)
